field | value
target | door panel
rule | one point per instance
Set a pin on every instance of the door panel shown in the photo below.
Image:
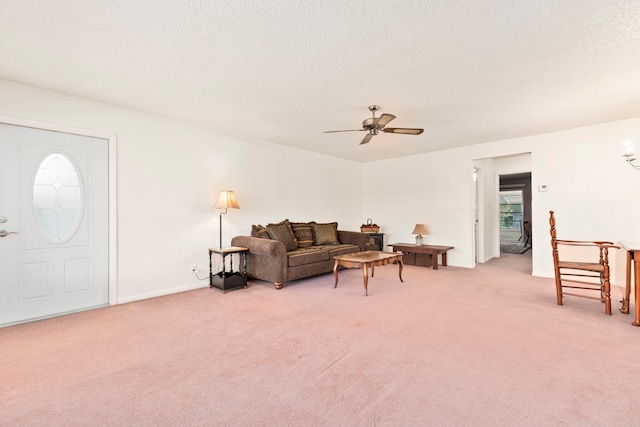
(54, 194)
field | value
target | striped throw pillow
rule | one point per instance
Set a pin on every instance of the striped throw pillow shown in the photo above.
(304, 233)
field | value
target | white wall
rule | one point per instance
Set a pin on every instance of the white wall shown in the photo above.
(434, 189)
(508, 165)
(170, 172)
(169, 176)
(593, 192)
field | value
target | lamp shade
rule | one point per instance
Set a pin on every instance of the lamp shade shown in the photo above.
(419, 229)
(227, 200)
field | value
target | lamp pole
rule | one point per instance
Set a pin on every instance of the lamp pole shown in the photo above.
(221, 213)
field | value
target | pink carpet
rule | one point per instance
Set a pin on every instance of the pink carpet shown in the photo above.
(484, 346)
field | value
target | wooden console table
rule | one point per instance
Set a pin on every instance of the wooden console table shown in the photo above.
(432, 250)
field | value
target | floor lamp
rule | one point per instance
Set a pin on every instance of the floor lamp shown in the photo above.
(225, 201)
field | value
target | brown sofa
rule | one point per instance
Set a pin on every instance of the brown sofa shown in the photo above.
(288, 251)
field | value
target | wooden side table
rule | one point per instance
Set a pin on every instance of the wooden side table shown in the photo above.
(228, 279)
(432, 250)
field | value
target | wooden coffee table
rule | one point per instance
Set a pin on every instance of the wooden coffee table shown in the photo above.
(365, 260)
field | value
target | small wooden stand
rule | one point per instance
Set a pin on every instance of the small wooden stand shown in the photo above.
(228, 279)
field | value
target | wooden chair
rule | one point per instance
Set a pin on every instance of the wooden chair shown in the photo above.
(592, 275)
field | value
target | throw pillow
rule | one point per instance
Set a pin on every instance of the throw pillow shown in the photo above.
(283, 233)
(303, 233)
(325, 234)
(259, 231)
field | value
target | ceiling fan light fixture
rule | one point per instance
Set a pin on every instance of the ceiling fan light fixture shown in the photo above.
(369, 123)
(373, 125)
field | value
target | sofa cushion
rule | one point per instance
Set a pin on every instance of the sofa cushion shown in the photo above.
(283, 233)
(259, 231)
(307, 255)
(342, 249)
(303, 233)
(325, 234)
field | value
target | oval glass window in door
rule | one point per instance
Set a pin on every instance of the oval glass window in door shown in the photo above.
(57, 198)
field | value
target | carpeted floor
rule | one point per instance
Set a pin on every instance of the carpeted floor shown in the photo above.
(475, 347)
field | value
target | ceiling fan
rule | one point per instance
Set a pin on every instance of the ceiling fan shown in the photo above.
(375, 124)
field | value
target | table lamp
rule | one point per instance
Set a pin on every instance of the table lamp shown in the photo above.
(419, 230)
(225, 201)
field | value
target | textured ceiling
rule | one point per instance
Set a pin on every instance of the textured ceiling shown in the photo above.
(285, 71)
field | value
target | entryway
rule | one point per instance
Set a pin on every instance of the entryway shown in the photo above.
(490, 176)
(515, 213)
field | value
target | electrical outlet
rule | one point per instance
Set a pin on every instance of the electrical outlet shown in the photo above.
(194, 268)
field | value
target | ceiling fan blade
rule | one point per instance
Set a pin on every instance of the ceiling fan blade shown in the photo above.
(346, 130)
(384, 119)
(406, 131)
(366, 139)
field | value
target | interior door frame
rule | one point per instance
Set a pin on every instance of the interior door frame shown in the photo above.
(112, 180)
(478, 216)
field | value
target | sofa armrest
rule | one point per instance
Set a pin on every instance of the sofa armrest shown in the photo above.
(259, 246)
(266, 260)
(353, 238)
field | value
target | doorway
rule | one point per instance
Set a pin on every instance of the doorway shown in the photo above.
(515, 213)
(54, 208)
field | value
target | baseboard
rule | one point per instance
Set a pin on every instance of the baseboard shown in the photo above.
(163, 292)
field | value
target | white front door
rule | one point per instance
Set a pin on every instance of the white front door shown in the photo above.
(54, 197)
